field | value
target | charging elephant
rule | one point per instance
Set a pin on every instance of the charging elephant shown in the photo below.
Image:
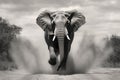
(59, 27)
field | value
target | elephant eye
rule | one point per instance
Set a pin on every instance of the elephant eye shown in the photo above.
(67, 15)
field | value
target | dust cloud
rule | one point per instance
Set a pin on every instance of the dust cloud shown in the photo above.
(31, 54)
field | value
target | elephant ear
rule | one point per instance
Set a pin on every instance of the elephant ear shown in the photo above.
(77, 19)
(44, 20)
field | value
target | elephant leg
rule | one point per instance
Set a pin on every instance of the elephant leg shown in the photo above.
(65, 60)
(48, 39)
(52, 59)
(56, 51)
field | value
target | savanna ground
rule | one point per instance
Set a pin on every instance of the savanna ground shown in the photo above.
(94, 74)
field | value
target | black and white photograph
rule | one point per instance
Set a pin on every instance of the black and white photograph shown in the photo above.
(59, 39)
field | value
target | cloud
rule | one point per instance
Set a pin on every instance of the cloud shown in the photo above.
(7, 6)
(98, 13)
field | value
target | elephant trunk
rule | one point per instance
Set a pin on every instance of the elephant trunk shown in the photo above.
(60, 32)
(60, 37)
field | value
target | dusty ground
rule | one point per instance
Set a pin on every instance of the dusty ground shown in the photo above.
(94, 74)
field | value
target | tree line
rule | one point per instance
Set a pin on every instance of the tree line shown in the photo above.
(8, 32)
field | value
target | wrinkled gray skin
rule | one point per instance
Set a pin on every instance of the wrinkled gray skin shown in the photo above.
(59, 27)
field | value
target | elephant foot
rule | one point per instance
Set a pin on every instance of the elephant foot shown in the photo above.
(62, 66)
(52, 61)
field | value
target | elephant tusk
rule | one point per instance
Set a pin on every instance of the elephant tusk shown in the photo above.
(68, 37)
(66, 33)
(53, 38)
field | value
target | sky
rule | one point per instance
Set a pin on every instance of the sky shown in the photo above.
(102, 16)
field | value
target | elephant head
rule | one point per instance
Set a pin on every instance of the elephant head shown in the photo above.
(61, 25)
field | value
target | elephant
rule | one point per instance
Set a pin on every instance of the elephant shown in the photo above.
(59, 27)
